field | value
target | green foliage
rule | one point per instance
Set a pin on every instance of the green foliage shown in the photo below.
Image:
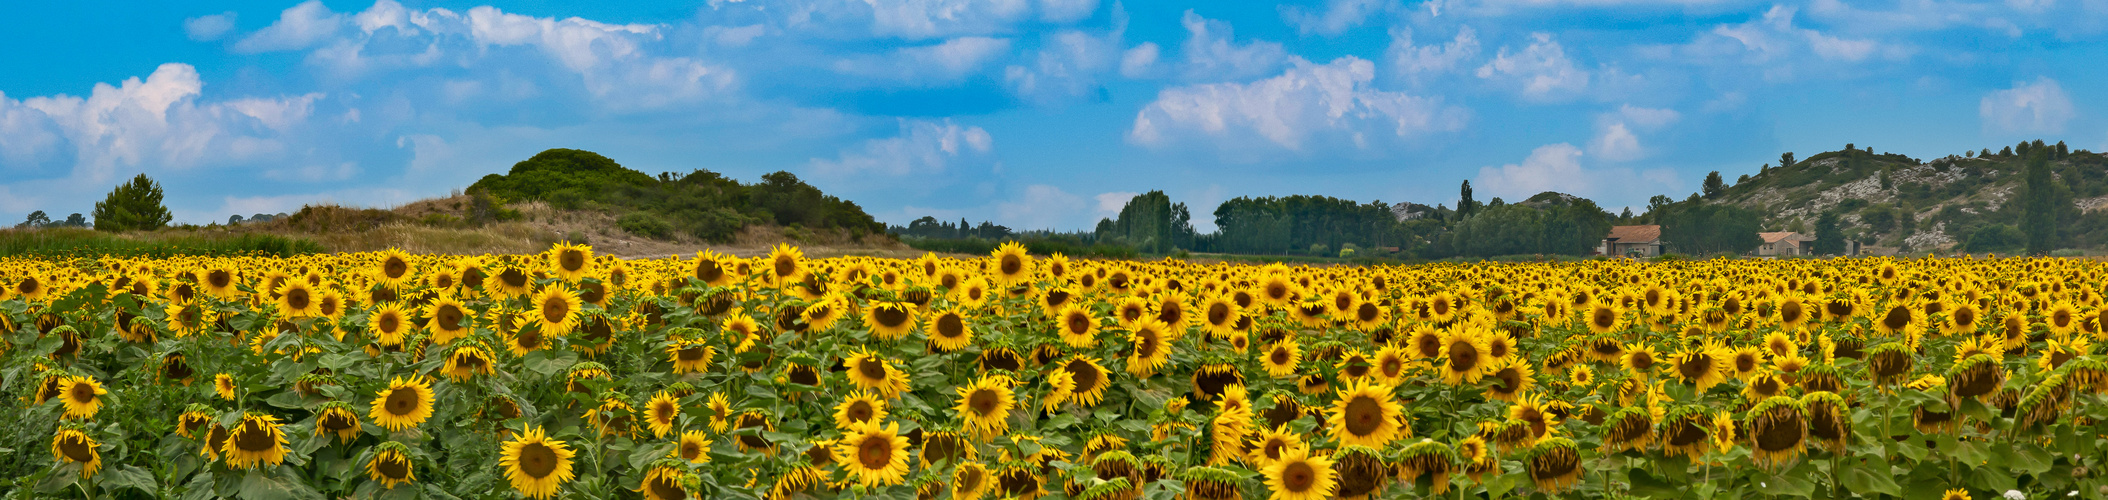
(1713, 186)
(1829, 235)
(1043, 245)
(82, 243)
(1707, 229)
(644, 224)
(702, 203)
(132, 206)
(1151, 223)
(1996, 238)
(1280, 225)
(2040, 200)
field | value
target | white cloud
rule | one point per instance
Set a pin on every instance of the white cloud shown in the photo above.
(1647, 117)
(1616, 138)
(1558, 167)
(1774, 43)
(2040, 106)
(1338, 17)
(1109, 204)
(1334, 101)
(1066, 11)
(1212, 55)
(940, 64)
(209, 28)
(923, 147)
(1040, 207)
(1068, 65)
(1541, 71)
(299, 27)
(922, 19)
(278, 114)
(1418, 62)
(383, 14)
(1616, 142)
(1137, 61)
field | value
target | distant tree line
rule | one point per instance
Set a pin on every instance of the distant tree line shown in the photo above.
(133, 206)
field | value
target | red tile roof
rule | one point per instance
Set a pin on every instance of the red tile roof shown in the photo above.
(1635, 234)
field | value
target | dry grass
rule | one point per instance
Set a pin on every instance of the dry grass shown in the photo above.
(433, 226)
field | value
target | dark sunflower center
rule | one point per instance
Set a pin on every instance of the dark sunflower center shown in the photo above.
(690, 450)
(253, 437)
(1356, 367)
(969, 480)
(1463, 356)
(1276, 291)
(1783, 433)
(1146, 346)
(1429, 345)
(592, 292)
(1685, 433)
(537, 460)
(1367, 312)
(571, 260)
(890, 317)
(860, 411)
(984, 401)
(1603, 318)
(530, 339)
(402, 402)
(1011, 264)
(951, 326)
(1364, 415)
(875, 452)
(708, 271)
(1078, 323)
(871, 368)
(390, 323)
(1218, 313)
(513, 278)
(1507, 380)
(76, 449)
(297, 298)
(393, 467)
(1171, 314)
(555, 309)
(216, 278)
(1642, 361)
(1273, 448)
(1897, 318)
(336, 421)
(1085, 375)
(1745, 362)
(1280, 356)
(1695, 366)
(81, 393)
(1298, 477)
(449, 317)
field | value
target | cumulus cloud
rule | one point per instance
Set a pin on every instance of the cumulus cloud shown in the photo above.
(1136, 62)
(1068, 65)
(923, 147)
(1558, 167)
(1616, 132)
(2040, 106)
(1774, 43)
(1423, 61)
(209, 28)
(1541, 71)
(1338, 16)
(1066, 11)
(297, 28)
(1333, 101)
(923, 19)
(1212, 54)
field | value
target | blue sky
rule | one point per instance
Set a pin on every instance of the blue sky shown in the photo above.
(1031, 113)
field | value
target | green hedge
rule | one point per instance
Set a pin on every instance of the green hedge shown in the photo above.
(86, 243)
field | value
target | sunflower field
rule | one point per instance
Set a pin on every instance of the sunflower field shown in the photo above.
(566, 375)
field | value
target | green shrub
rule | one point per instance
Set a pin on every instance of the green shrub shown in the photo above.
(132, 206)
(644, 224)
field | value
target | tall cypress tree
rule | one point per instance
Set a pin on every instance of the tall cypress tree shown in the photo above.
(2040, 221)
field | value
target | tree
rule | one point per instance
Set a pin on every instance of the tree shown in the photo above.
(76, 220)
(2040, 219)
(1707, 229)
(234, 219)
(135, 205)
(1713, 185)
(36, 219)
(1829, 238)
(1786, 160)
(1464, 204)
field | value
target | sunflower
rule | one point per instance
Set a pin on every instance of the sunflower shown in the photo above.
(1778, 431)
(1604, 318)
(1365, 415)
(1463, 358)
(391, 465)
(404, 404)
(878, 455)
(1079, 328)
(1955, 494)
(388, 324)
(570, 262)
(536, 465)
(1900, 319)
(740, 330)
(1963, 319)
(985, 405)
(689, 356)
(660, 413)
(393, 269)
(195, 417)
(82, 397)
(1219, 315)
(1511, 377)
(2061, 318)
(1087, 380)
(1554, 464)
(257, 440)
(1703, 366)
(711, 268)
(335, 417)
(664, 483)
(948, 331)
(73, 446)
(694, 447)
(1010, 265)
(467, 361)
(720, 412)
(223, 385)
(786, 265)
(296, 299)
(1640, 359)
(555, 310)
(1281, 358)
(1300, 476)
(219, 281)
(890, 320)
(825, 312)
(1272, 444)
(870, 372)
(971, 481)
(1151, 347)
(447, 319)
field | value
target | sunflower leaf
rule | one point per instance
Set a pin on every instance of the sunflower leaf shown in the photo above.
(1870, 475)
(2027, 459)
(1972, 453)
(1789, 484)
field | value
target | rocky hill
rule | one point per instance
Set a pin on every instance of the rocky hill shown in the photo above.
(1906, 204)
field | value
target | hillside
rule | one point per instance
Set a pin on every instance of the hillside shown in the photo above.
(1897, 202)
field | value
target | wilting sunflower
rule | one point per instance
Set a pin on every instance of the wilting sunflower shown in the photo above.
(1511, 378)
(890, 320)
(1554, 464)
(404, 404)
(257, 440)
(536, 465)
(1365, 415)
(948, 331)
(664, 483)
(391, 465)
(690, 356)
(82, 397)
(876, 455)
(1778, 431)
(197, 415)
(694, 447)
(332, 417)
(71, 445)
(870, 372)
(1300, 476)
(467, 360)
(555, 310)
(388, 324)
(985, 405)
(660, 412)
